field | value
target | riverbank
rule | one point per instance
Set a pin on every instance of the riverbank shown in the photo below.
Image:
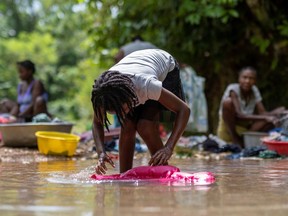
(28, 155)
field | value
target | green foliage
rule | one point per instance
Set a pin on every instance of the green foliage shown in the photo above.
(58, 46)
(39, 47)
(216, 37)
(194, 11)
(72, 42)
(34, 46)
(17, 16)
(283, 28)
(261, 43)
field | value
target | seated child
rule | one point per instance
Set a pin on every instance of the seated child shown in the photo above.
(31, 94)
(241, 109)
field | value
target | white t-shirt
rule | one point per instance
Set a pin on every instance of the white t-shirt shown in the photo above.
(245, 108)
(148, 68)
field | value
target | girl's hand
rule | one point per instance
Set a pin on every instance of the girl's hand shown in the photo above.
(161, 157)
(101, 167)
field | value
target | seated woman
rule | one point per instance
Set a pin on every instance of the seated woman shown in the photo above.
(241, 109)
(31, 95)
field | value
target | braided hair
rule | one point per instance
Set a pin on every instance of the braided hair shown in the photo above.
(110, 91)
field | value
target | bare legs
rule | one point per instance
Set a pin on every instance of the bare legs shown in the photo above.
(127, 145)
(148, 130)
(9, 106)
(229, 117)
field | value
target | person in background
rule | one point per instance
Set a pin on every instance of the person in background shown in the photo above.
(137, 89)
(31, 95)
(137, 44)
(241, 109)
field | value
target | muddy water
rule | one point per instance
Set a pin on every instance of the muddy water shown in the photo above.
(244, 187)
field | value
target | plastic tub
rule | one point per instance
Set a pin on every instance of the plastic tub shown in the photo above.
(23, 134)
(281, 147)
(252, 138)
(55, 143)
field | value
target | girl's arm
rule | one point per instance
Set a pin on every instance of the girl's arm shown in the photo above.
(98, 134)
(182, 111)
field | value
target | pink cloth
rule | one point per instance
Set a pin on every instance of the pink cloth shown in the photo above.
(162, 173)
(4, 120)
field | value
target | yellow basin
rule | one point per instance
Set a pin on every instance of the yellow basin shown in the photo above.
(56, 143)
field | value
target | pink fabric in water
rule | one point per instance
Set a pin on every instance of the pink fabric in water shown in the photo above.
(161, 173)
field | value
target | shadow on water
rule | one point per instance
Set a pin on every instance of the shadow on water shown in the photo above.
(243, 187)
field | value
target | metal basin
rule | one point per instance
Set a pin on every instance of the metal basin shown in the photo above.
(23, 134)
(253, 138)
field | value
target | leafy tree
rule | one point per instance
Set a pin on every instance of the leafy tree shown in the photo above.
(17, 16)
(216, 37)
(26, 46)
(57, 43)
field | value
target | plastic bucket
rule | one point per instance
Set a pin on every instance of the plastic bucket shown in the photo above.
(56, 143)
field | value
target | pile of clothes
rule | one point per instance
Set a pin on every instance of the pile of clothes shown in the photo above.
(214, 145)
(6, 118)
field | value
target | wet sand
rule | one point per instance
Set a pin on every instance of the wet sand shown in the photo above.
(28, 155)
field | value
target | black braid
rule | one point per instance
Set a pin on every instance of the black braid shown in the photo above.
(110, 91)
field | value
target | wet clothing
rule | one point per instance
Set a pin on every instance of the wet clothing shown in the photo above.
(25, 99)
(150, 70)
(253, 151)
(159, 173)
(245, 107)
(268, 154)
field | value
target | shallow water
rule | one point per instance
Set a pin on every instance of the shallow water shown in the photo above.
(243, 187)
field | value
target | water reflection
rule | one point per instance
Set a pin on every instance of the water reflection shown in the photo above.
(243, 187)
(147, 198)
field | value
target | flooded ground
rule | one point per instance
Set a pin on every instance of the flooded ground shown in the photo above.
(243, 187)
